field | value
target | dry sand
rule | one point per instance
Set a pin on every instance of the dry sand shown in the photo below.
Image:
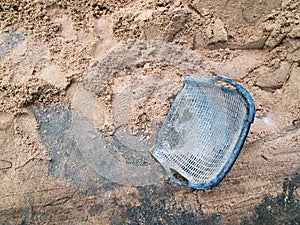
(116, 64)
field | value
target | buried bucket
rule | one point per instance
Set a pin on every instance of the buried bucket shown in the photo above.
(204, 131)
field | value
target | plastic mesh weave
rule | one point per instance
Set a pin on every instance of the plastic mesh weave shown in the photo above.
(204, 131)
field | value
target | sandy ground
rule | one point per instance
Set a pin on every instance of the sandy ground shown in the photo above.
(80, 80)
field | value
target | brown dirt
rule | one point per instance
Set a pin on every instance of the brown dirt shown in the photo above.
(65, 43)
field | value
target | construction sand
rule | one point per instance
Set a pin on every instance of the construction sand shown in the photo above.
(86, 85)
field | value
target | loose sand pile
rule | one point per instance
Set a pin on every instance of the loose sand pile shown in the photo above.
(117, 66)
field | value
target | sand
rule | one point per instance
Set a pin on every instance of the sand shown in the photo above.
(77, 74)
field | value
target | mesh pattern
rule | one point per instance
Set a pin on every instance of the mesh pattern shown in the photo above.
(202, 130)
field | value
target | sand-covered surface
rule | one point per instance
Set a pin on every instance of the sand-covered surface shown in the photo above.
(86, 85)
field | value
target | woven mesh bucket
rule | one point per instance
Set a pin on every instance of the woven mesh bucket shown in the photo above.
(204, 131)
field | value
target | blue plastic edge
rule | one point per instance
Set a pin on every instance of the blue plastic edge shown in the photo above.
(240, 143)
